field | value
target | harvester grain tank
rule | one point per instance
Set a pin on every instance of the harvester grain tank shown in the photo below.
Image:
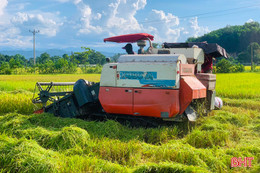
(159, 83)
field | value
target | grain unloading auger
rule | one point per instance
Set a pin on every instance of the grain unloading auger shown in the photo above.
(162, 84)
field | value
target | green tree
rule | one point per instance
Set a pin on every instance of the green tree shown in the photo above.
(47, 67)
(2, 58)
(223, 66)
(55, 58)
(82, 57)
(244, 57)
(43, 58)
(72, 68)
(31, 62)
(14, 63)
(62, 65)
(234, 39)
(66, 56)
(254, 48)
(226, 66)
(96, 57)
(20, 59)
(5, 68)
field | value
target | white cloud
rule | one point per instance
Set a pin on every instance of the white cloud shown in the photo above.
(111, 17)
(98, 16)
(47, 23)
(169, 19)
(121, 19)
(74, 1)
(10, 36)
(165, 27)
(249, 21)
(3, 4)
(86, 18)
(92, 21)
(14, 28)
(193, 29)
(115, 17)
(169, 28)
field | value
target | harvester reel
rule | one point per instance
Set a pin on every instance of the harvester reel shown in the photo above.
(46, 94)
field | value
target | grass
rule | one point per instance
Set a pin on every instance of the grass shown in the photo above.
(44, 143)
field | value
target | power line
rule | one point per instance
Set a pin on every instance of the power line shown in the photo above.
(227, 13)
(203, 15)
(214, 13)
(218, 11)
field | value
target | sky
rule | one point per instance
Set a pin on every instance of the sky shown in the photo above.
(67, 24)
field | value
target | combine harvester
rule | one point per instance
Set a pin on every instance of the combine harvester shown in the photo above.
(159, 84)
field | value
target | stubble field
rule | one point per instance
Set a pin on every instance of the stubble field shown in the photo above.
(44, 143)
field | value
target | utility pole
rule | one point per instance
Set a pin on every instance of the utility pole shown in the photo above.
(34, 32)
(252, 55)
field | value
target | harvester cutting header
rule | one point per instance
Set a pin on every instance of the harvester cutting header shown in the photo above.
(160, 83)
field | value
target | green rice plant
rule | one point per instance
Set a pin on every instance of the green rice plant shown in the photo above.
(174, 152)
(123, 153)
(205, 139)
(16, 102)
(109, 129)
(249, 111)
(248, 104)
(45, 143)
(26, 156)
(210, 124)
(238, 85)
(233, 85)
(248, 68)
(168, 167)
(183, 153)
(160, 135)
(127, 150)
(256, 169)
(236, 119)
(66, 138)
(11, 123)
(27, 82)
(257, 128)
(78, 163)
(69, 137)
(241, 151)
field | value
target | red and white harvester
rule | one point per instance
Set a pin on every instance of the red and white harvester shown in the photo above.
(160, 83)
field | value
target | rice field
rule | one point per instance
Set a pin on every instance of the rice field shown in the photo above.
(27, 82)
(238, 85)
(248, 68)
(44, 143)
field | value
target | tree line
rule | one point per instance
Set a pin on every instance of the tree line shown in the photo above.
(241, 41)
(46, 64)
